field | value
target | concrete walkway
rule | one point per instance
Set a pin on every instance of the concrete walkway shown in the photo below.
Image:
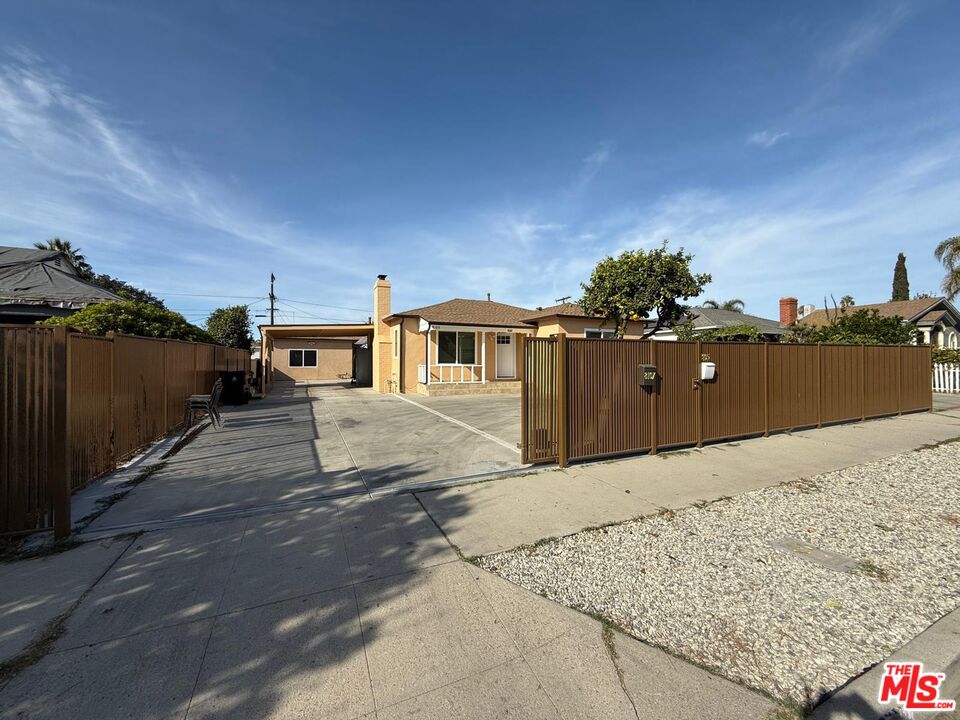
(489, 517)
(354, 608)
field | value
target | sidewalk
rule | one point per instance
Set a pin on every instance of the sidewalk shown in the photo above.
(358, 607)
(500, 515)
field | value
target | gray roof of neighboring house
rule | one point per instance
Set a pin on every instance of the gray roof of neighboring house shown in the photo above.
(45, 277)
(705, 318)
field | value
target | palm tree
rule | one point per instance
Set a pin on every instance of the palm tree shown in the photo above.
(735, 305)
(948, 252)
(73, 254)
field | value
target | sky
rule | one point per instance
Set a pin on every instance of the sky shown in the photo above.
(192, 148)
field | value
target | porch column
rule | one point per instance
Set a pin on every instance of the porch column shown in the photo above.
(483, 358)
(429, 333)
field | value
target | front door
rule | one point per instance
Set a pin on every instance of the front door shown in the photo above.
(506, 356)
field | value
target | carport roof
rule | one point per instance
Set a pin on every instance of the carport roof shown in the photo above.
(332, 330)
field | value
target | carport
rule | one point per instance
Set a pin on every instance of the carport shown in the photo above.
(274, 338)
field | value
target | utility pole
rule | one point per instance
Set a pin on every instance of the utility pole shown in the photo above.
(272, 297)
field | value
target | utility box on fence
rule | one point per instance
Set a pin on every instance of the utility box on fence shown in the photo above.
(648, 375)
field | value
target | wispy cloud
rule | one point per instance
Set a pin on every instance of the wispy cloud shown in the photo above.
(866, 35)
(593, 163)
(82, 172)
(767, 138)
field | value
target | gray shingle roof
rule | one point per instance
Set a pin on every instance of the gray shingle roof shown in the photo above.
(45, 277)
(704, 318)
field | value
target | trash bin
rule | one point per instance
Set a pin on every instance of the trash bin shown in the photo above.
(234, 388)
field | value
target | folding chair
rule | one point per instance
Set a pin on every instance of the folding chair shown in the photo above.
(204, 403)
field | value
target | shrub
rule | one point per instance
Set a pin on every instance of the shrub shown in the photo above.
(132, 318)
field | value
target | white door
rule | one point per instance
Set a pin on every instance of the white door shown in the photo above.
(506, 357)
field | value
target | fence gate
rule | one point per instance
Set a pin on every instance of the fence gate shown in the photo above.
(586, 398)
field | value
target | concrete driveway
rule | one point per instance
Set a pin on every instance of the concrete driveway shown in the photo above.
(304, 443)
(349, 608)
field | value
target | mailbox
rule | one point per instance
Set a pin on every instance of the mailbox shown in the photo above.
(648, 375)
(708, 371)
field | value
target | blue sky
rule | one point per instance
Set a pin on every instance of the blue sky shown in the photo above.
(465, 148)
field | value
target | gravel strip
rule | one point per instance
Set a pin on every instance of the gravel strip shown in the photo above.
(711, 583)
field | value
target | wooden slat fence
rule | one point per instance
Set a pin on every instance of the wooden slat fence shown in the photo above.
(74, 406)
(584, 398)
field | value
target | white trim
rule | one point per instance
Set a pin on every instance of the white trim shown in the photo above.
(316, 357)
(609, 333)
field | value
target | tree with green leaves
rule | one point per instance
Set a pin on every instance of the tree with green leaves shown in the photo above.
(73, 254)
(860, 327)
(230, 326)
(129, 317)
(126, 290)
(735, 305)
(846, 302)
(641, 283)
(948, 253)
(901, 285)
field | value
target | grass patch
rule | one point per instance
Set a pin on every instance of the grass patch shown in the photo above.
(872, 570)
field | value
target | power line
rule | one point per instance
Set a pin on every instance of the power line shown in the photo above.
(335, 307)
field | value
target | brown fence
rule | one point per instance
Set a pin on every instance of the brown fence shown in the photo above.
(588, 398)
(73, 406)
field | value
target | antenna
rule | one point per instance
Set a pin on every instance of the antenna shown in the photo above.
(562, 300)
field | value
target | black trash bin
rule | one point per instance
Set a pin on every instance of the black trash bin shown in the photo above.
(234, 387)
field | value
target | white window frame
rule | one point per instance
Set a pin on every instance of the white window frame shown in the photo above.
(303, 357)
(603, 333)
(458, 360)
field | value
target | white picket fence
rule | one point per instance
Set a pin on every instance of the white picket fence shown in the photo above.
(946, 377)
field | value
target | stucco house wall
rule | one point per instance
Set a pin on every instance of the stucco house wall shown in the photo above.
(576, 326)
(334, 360)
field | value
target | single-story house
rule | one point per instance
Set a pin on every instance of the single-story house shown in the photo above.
(936, 317)
(452, 347)
(39, 284)
(466, 346)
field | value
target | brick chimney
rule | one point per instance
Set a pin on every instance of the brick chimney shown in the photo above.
(788, 310)
(382, 350)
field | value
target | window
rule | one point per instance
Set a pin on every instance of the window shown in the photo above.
(503, 339)
(302, 358)
(396, 342)
(599, 334)
(456, 348)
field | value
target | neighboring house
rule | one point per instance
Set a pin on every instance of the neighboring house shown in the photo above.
(570, 318)
(936, 317)
(38, 284)
(704, 319)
